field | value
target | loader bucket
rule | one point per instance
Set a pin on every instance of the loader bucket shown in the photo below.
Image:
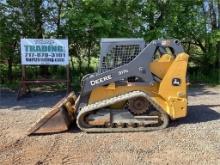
(58, 119)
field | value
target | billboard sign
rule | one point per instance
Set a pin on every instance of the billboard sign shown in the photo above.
(44, 52)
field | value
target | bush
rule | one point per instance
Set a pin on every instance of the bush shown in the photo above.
(211, 77)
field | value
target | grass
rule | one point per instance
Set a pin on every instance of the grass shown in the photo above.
(211, 77)
(58, 72)
(13, 85)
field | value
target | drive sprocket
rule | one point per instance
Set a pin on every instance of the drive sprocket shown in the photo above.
(138, 106)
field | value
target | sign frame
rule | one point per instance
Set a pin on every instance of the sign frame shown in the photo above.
(24, 87)
(44, 52)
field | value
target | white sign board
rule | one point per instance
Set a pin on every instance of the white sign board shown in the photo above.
(44, 52)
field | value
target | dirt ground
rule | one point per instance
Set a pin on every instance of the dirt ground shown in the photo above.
(192, 140)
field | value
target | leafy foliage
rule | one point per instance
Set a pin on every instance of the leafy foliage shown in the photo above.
(84, 22)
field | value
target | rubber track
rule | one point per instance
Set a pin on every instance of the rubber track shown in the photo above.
(101, 104)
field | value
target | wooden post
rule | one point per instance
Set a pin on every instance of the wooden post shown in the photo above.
(23, 72)
(23, 87)
(68, 78)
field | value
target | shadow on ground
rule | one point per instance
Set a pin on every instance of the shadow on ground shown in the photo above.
(31, 101)
(198, 114)
(201, 90)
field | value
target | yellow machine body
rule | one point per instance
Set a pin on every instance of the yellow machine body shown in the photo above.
(168, 92)
(172, 99)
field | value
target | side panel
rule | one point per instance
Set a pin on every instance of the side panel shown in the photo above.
(173, 87)
(102, 93)
(160, 67)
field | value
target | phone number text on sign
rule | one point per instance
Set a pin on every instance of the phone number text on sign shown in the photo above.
(44, 52)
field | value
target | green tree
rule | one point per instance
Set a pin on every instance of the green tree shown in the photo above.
(85, 22)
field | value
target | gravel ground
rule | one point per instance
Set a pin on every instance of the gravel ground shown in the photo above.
(192, 140)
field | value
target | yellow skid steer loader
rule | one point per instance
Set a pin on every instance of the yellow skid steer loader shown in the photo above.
(136, 88)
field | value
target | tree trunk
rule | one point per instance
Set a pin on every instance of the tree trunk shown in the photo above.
(89, 55)
(215, 26)
(80, 67)
(59, 7)
(38, 15)
(213, 15)
(217, 62)
(10, 77)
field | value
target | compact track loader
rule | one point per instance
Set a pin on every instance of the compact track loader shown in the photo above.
(136, 88)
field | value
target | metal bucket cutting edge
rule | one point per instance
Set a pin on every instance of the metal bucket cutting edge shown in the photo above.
(58, 119)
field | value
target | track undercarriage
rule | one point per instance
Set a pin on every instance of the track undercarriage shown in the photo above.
(98, 117)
